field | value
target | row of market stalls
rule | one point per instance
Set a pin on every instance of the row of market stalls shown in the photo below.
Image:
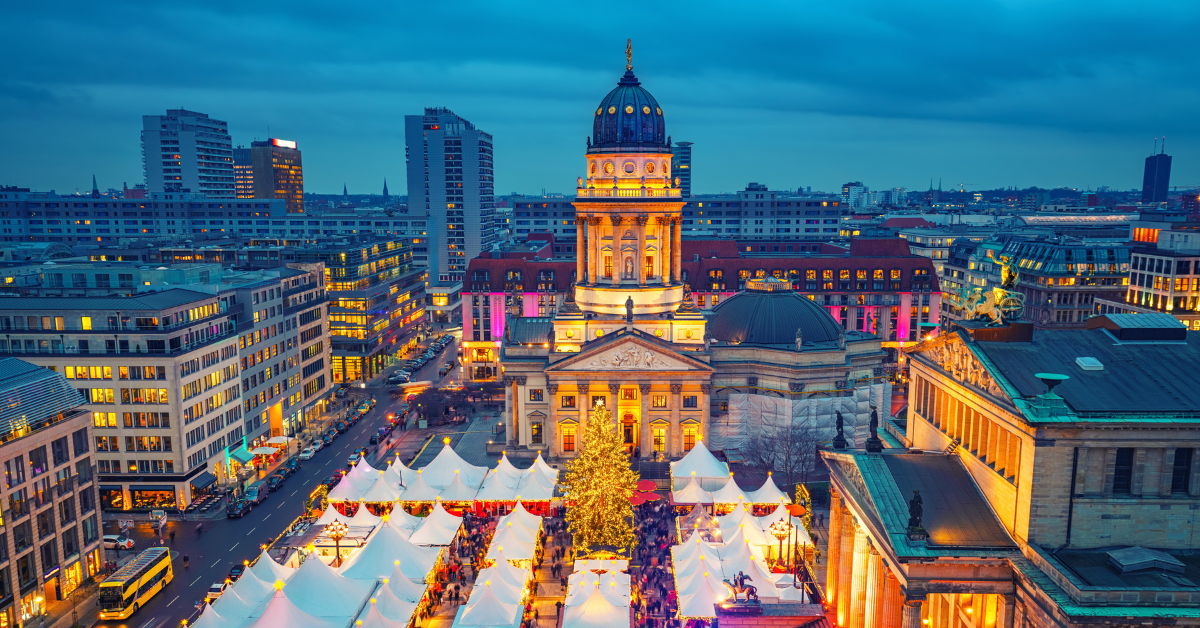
(598, 595)
(699, 478)
(504, 584)
(448, 480)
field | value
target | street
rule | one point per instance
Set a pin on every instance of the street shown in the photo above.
(226, 542)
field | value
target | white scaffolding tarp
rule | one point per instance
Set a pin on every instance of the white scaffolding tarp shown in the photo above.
(752, 416)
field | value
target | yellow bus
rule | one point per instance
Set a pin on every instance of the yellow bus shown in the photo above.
(124, 592)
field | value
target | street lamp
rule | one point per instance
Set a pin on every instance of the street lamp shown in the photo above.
(337, 531)
(780, 530)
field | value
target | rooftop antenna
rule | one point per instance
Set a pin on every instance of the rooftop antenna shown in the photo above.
(1155, 151)
(1164, 146)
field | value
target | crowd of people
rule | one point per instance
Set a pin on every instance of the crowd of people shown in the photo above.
(653, 589)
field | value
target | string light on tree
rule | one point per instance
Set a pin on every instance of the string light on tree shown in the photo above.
(599, 487)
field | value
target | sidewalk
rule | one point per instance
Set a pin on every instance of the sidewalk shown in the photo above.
(86, 604)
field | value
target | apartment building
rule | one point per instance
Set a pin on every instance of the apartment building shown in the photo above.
(160, 375)
(1163, 278)
(51, 518)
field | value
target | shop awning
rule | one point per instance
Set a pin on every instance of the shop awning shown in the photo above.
(241, 455)
(263, 451)
(203, 481)
(279, 440)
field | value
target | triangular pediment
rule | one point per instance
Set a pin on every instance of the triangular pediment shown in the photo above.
(954, 355)
(629, 353)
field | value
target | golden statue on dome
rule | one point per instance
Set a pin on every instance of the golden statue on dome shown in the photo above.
(628, 54)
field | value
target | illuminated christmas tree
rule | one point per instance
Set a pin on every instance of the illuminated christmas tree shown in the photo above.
(599, 485)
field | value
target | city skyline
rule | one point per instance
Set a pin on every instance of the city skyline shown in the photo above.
(1051, 98)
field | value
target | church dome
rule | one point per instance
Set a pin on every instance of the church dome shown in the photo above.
(769, 312)
(629, 120)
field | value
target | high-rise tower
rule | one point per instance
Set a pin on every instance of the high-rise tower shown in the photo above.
(450, 178)
(1156, 178)
(187, 151)
(683, 166)
(278, 172)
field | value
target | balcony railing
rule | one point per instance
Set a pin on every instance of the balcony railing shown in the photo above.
(628, 193)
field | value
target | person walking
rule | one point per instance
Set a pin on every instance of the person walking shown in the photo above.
(172, 537)
(185, 561)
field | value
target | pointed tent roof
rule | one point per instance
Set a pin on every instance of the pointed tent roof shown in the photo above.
(319, 591)
(736, 516)
(731, 493)
(509, 572)
(486, 609)
(684, 550)
(691, 493)
(762, 578)
(597, 611)
(400, 518)
(458, 491)
(535, 487)
(740, 532)
(210, 619)
(444, 518)
(382, 490)
(506, 591)
(329, 516)
(373, 618)
(526, 518)
(283, 612)
(398, 472)
(377, 559)
(506, 472)
(495, 490)
(419, 491)
(347, 491)
(701, 463)
(432, 532)
(769, 494)
(507, 545)
(540, 464)
(403, 587)
(440, 472)
(698, 561)
(253, 590)
(517, 530)
(781, 513)
(689, 583)
(233, 609)
(363, 518)
(269, 571)
(700, 601)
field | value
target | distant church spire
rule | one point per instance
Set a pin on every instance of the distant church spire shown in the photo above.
(95, 188)
(385, 191)
(344, 192)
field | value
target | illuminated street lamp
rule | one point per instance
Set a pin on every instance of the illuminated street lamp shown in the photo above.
(337, 531)
(780, 530)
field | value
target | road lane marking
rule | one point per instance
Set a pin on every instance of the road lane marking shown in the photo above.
(216, 563)
(195, 581)
(268, 516)
(172, 601)
(234, 545)
(294, 492)
(253, 529)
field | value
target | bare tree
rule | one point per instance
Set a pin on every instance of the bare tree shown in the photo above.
(789, 449)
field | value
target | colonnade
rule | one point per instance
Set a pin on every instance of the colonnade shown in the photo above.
(589, 243)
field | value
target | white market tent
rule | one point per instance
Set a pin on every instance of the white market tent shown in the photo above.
(495, 490)
(518, 531)
(699, 462)
(400, 518)
(232, 607)
(689, 583)
(701, 600)
(507, 592)
(419, 491)
(486, 609)
(769, 494)
(432, 532)
(519, 513)
(506, 472)
(506, 545)
(210, 619)
(269, 571)
(402, 586)
(330, 515)
(441, 471)
(535, 487)
(540, 464)
(282, 612)
(381, 491)
(377, 559)
(781, 512)
(458, 491)
(697, 562)
(252, 589)
(594, 564)
(319, 591)
(596, 611)
(363, 518)
(730, 493)
(373, 618)
(691, 493)
(398, 473)
(444, 518)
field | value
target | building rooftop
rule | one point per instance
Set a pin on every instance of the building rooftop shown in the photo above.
(33, 397)
(144, 301)
(955, 512)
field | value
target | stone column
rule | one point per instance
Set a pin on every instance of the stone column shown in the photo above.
(618, 264)
(910, 617)
(845, 569)
(640, 258)
(580, 256)
(833, 551)
(593, 246)
(584, 404)
(674, 446)
(664, 249)
(550, 430)
(644, 440)
(676, 248)
(705, 410)
(518, 385)
(893, 599)
(873, 615)
(614, 391)
(1004, 619)
(858, 584)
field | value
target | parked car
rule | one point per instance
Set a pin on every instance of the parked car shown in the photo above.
(257, 492)
(326, 441)
(237, 509)
(292, 465)
(308, 453)
(117, 541)
(342, 392)
(330, 482)
(236, 572)
(374, 439)
(385, 430)
(353, 459)
(215, 591)
(339, 474)
(274, 483)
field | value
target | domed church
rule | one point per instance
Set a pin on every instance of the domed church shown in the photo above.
(630, 338)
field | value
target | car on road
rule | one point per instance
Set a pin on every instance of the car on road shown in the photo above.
(257, 492)
(308, 453)
(330, 482)
(236, 572)
(353, 459)
(326, 441)
(342, 392)
(385, 430)
(274, 483)
(374, 439)
(117, 541)
(340, 426)
(237, 509)
(284, 472)
(292, 465)
(215, 591)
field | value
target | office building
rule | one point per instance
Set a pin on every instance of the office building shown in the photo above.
(52, 521)
(277, 172)
(243, 172)
(1163, 278)
(683, 166)
(1062, 278)
(188, 152)
(1156, 178)
(1041, 479)
(450, 181)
